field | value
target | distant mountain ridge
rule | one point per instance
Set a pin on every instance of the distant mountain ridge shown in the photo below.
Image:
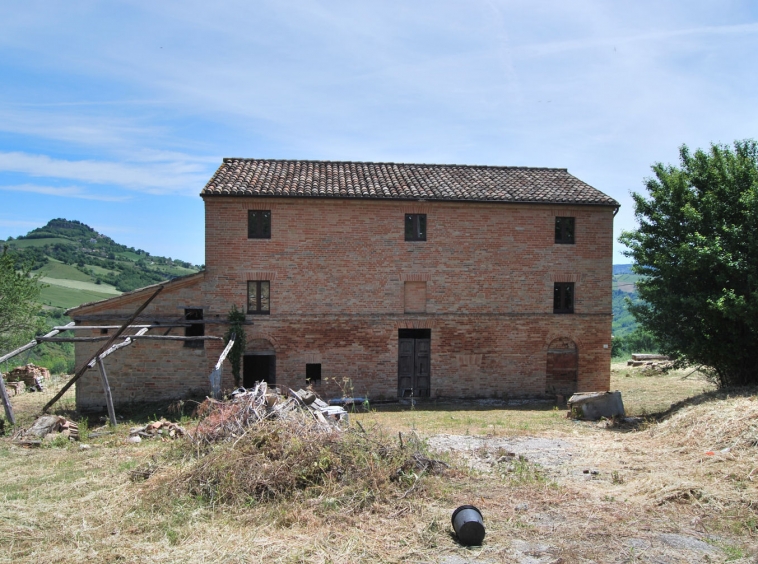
(79, 264)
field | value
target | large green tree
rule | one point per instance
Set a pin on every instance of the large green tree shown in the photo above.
(697, 246)
(19, 291)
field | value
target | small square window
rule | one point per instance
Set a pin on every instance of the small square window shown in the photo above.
(103, 331)
(259, 224)
(564, 230)
(258, 296)
(563, 297)
(312, 373)
(415, 227)
(195, 329)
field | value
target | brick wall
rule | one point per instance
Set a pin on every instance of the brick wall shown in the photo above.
(344, 280)
(145, 370)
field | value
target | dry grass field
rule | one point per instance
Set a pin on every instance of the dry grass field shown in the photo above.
(680, 484)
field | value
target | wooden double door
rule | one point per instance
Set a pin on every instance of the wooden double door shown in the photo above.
(413, 364)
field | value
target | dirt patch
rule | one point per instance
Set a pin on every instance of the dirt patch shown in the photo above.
(484, 453)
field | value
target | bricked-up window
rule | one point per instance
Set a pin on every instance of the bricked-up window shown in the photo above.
(415, 227)
(258, 296)
(312, 373)
(194, 330)
(564, 230)
(563, 297)
(259, 224)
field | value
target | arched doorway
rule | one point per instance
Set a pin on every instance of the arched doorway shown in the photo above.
(562, 367)
(259, 363)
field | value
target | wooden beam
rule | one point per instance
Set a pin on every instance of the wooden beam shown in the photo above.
(36, 341)
(165, 321)
(128, 341)
(104, 338)
(83, 327)
(215, 376)
(102, 349)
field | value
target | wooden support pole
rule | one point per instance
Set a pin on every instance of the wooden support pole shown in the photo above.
(7, 403)
(101, 350)
(104, 375)
(107, 390)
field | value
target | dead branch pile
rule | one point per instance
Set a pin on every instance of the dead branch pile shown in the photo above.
(158, 429)
(263, 447)
(230, 420)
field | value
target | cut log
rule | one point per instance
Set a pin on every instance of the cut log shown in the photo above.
(646, 357)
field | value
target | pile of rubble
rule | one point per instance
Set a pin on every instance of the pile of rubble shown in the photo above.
(47, 427)
(31, 375)
(162, 429)
(229, 420)
(14, 388)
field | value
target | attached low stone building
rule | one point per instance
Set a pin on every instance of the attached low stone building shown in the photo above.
(384, 280)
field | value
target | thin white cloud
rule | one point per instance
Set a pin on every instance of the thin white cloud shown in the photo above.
(167, 177)
(553, 47)
(64, 192)
(19, 223)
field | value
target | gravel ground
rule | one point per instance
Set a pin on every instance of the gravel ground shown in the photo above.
(482, 453)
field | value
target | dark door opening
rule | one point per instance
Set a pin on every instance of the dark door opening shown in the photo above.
(562, 364)
(413, 370)
(258, 368)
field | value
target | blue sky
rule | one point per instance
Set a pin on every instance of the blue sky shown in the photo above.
(117, 113)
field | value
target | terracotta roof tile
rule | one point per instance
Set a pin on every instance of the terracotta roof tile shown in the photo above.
(330, 179)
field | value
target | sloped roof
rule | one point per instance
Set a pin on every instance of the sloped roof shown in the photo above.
(135, 295)
(396, 181)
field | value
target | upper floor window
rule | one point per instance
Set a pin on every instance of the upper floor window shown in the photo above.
(563, 297)
(259, 224)
(564, 230)
(415, 227)
(258, 296)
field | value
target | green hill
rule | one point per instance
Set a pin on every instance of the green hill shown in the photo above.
(624, 288)
(77, 265)
(80, 265)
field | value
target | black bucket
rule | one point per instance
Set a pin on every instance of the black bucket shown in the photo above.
(469, 525)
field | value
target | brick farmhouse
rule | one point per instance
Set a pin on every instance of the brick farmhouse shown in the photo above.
(382, 280)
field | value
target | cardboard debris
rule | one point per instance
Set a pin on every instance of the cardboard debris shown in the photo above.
(157, 429)
(48, 427)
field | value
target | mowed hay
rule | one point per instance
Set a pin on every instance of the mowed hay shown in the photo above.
(297, 458)
(717, 425)
(703, 457)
